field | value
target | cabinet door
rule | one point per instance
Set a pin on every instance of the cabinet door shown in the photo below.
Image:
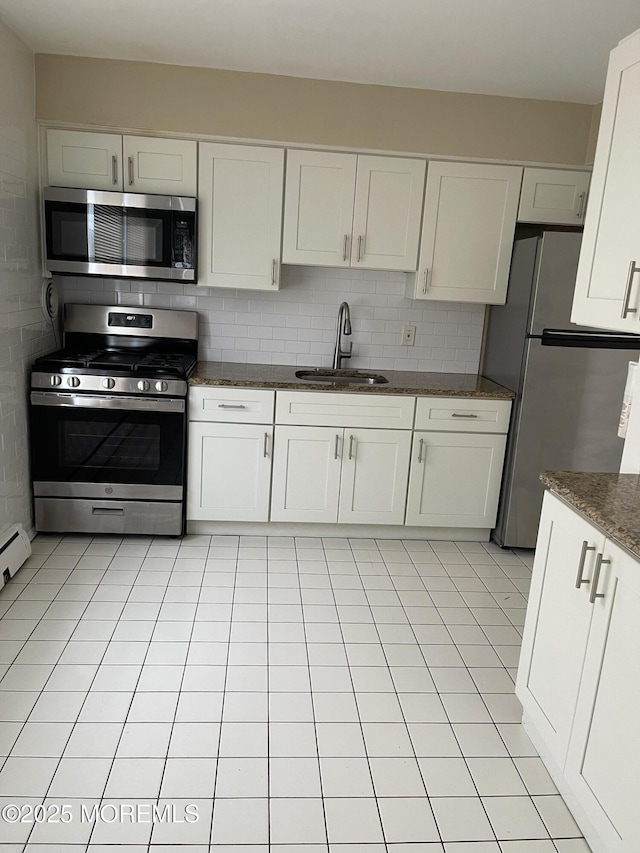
(375, 470)
(555, 196)
(388, 208)
(455, 479)
(557, 623)
(306, 474)
(467, 232)
(603, 764)
(240, 203)
(91, 161)
(318, 208)
(229, 472)
(161, 166)
(607, 293)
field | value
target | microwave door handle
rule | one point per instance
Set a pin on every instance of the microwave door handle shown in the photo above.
(91, 234)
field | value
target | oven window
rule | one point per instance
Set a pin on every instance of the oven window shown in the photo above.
(70, 444)
(97, 445)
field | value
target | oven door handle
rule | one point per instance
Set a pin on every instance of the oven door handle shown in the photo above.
(88, 401)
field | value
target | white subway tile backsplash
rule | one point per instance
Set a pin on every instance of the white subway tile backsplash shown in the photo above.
(24, 334)
(297, 324)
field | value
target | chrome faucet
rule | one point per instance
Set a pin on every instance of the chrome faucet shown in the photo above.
(344, 328)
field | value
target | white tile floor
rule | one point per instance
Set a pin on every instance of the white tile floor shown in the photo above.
(306, 693)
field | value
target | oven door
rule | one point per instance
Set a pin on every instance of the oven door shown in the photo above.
(97, 446)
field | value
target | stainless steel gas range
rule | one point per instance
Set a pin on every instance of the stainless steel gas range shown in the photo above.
(108, 422)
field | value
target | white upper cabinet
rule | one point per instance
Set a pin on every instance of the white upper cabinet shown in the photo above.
(554, 196)
(240, 214)
(353, 210)
(607, 293)
(108, 161)
(164, 166)
(318, 208)
(90, 161)
(467, 232)
(386, 216)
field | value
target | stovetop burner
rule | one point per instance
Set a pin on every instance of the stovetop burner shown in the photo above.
(104, 362)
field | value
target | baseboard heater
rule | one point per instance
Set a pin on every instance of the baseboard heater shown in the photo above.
(15, 549)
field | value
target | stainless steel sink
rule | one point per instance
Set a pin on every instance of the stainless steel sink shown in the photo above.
(341, 377)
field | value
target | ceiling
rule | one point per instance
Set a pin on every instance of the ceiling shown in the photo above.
(550, 49)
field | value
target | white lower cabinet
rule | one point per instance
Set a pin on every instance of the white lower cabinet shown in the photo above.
(603, 763)
(306, 474)
(579, 680)
(554, 643)
(373, 486)
(229, 471)
(455, 479)
(326, 474)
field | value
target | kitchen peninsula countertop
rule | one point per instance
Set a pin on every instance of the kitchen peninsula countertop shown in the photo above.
(611, 501)
(400, 382)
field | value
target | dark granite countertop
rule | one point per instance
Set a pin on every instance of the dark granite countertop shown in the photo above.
(400, 382)
(611, 501)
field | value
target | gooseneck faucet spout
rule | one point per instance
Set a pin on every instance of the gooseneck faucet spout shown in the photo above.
(344, 328)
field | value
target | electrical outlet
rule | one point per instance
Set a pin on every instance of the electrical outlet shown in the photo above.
(408, 336)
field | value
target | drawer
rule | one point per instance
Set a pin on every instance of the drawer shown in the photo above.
(462, 414)
(306, 408)
(237, 405)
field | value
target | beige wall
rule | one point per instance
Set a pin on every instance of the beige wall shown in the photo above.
(177, 99)
(593, 134)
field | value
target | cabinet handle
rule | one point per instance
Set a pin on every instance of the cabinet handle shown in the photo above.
(130, 171)
(582, 197)
(231, 406)
(360, 250)
(350, 447)
(335, 450)
(274, 272)
(633, 269)
(583, 556)
(266, 445)
(596, 577)
(345, 246)
(425, 284)
(114, 169)
(461, 415)
(420, 448)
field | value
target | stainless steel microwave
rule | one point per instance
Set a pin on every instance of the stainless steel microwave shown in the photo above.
(128, 235)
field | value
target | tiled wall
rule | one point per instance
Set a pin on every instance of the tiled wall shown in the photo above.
(297, 325)
(23, 331)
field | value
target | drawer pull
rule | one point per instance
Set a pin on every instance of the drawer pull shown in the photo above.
(596, 577)
(583, 556)
(420, 449)
(231, 406)
(104, 510)
(461, 415)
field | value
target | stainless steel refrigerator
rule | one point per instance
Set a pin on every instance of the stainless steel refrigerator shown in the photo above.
(569, 381)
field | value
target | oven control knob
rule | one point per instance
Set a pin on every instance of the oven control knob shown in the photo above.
(108, 383)
(73, 381)
(161, 386)
(143, 385)
(55, 380)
